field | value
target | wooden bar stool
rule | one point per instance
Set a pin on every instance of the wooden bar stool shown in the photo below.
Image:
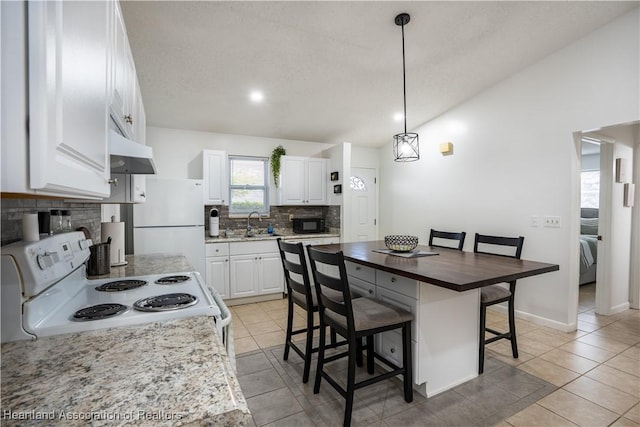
(495, 294)
(355, 319)
(301, 293)
(459, 237)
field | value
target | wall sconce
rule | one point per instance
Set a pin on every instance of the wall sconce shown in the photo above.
(446, 148)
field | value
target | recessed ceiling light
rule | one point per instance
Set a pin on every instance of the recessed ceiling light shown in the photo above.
(256, 96)
(398, 117)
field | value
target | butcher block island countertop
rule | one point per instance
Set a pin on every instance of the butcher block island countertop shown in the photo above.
(164, 373)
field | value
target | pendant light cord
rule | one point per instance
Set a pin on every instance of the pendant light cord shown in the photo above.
(404, 83)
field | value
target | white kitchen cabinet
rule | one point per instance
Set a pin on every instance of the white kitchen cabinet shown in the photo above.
(68, 77)
(217, 261)
(127, 188)
(214, 168)
(399, 291)
(303, 181)
(126, 106)
(255, 268)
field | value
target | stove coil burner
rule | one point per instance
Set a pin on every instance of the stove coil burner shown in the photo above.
(100, 311)
(166, 302)
(121, 285)
(170, 280)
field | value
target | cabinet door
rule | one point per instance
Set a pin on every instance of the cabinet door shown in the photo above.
(124, 82)
(316, 181)
(272, 276)
(243, 275)
(216, 189)
(218, 275)
(139, 118)
(68, 97)
(292, 180)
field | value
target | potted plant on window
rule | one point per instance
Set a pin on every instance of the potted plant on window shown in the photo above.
(275, 163)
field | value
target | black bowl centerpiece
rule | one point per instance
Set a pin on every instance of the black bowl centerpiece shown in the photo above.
(401, 243)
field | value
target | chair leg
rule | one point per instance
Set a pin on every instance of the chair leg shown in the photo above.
(308, 347)
(287, 341)
(512, 328)
(359, 352)
(407, 363)
(351, 379)
(483, 319)
(370, 354)
(319, 366)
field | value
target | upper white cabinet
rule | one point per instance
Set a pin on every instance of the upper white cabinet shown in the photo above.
(66, 66)
(214, 168)
(68, 80)
(303, 181)
(126, 100)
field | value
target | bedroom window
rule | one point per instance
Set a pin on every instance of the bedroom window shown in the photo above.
(248, 185)
(590, 189)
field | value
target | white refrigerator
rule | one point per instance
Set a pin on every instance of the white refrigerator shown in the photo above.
(171, 220)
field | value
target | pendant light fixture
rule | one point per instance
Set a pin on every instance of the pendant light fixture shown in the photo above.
(405, 145)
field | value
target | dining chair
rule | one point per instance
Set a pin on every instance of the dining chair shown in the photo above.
(459, 237)
(300, 293)
(495, 294)
(355, 319)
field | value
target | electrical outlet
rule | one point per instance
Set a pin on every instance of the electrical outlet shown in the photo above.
(535, 221)
(290, 217)
(552, 221)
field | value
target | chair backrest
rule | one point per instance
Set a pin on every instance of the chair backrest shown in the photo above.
(515, 242)
(459, 237)
(334, 296)
(296, 275)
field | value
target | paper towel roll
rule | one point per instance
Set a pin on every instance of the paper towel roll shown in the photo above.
(115, 230)
(30, 227)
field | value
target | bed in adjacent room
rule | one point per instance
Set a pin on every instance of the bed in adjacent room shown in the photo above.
(588, 245)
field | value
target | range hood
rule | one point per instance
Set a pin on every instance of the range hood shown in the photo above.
(130, 157)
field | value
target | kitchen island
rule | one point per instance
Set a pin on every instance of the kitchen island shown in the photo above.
(442, 291)
(163, 373)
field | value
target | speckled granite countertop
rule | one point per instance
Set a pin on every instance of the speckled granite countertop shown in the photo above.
(164, 373)
(241, 238)
(143, 265)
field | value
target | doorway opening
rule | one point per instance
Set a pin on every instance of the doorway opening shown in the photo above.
(589, 217)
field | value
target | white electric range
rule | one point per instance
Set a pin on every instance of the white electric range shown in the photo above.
(45, 291)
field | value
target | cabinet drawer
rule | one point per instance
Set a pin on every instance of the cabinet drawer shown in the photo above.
(361, 288)
(362, 272)
(401, 301)
(216, 249)
(248, 248)
(403, 285)
(389, 345)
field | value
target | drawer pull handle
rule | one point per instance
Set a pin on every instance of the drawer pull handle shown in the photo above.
(358, 269)
(393, 350)
(370, 291)
(393, 280)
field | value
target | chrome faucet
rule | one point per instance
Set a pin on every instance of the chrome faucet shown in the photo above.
(249, 233)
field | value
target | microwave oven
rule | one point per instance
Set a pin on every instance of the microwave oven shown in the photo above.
(308, 225)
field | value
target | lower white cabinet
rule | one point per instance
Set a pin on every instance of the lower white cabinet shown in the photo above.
(244, 269)
(399, 291)
(217, 262)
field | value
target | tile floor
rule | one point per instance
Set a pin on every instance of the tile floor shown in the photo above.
(590, 377)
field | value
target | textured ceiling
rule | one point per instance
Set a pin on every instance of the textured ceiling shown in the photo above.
(332, 71)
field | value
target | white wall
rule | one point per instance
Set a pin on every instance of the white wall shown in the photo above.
(178, 153)
(514, 157)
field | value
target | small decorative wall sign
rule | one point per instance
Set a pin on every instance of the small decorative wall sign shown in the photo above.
(621, 170)
(337, 189)
(629, 190)
(334, 176)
